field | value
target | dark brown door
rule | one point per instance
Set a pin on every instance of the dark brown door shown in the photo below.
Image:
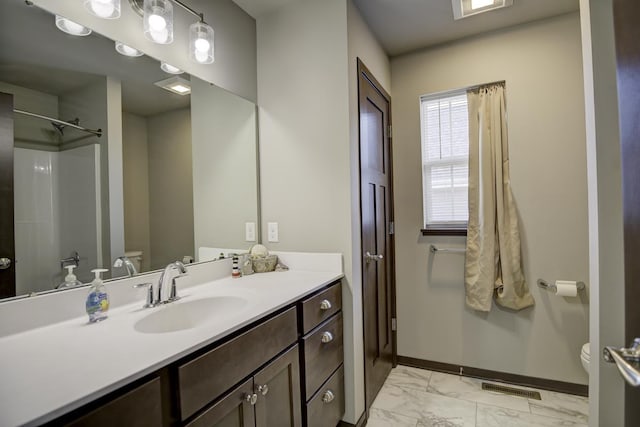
(7, 249)
(278, 389)
(233, 410)
(377, 246)
(627, 34)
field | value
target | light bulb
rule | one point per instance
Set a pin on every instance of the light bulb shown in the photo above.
(201, 56)
(157, 23)
(71, 27)
(159, 36)
(107, 9)
(168, 68)
(125, 50)
(202, 45)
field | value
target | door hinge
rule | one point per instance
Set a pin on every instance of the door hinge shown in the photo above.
(392, 228)
(394, 324)
(389, 129)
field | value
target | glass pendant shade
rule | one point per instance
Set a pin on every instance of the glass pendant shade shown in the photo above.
(125, 50)
(70, 27)
(168, 68)
(201, 43)
(158, 21)
(107, 9)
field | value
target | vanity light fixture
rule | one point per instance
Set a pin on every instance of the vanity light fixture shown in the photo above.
(158, 21)
(157, 18)
(125, 50)
(175, 84)
(168, 68)
(201, 43)
(466, 8)
(107, 9)
(70, 27)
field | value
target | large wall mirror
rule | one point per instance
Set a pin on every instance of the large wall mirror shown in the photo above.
(114, 156)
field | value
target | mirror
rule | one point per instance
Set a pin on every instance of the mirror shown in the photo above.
(155, 174)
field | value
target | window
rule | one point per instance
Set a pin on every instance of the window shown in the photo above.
(445, 162)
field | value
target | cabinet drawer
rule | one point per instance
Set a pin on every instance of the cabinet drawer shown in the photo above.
(315, 310)
(141, 406)
(323, 410)
(322, 358)
(207, 377)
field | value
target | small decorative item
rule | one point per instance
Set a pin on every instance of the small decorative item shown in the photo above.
(246, 265)
(235, 272)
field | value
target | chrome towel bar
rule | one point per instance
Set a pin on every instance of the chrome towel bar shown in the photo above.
(434, 250)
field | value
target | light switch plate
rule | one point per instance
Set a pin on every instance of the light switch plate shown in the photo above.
(272, 231)
(250, 231)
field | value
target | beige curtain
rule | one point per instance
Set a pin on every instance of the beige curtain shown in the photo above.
(493, 263)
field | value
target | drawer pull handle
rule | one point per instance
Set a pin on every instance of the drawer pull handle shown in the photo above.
(325, 305)
(263, 389)
(251, 398)
(327, 337)
(328, 396)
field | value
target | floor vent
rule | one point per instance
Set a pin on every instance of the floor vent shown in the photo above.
(511, 391)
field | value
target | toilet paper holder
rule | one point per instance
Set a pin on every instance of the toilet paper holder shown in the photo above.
(552, 286)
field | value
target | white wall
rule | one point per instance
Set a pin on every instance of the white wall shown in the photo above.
(224, 152)
(235, 44)
(606, 252)
(305, 161)
(135, 164)
(170, 187)
(541, 63)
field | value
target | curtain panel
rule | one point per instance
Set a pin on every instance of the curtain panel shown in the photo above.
(493, 264)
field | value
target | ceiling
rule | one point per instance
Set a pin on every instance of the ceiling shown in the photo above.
(402, 26)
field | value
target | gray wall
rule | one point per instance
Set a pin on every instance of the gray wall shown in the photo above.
(541, 63)
(170, 187)
(135, 165)
(225, 181)
(235, 45)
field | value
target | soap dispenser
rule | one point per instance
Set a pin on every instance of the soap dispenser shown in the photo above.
(70, 279)
(98, 300)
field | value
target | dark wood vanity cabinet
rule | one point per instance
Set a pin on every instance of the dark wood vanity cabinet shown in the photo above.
(285, 370)
(322, 358)
(271, 398)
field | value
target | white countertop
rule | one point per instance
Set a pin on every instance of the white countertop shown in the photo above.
(52, 370)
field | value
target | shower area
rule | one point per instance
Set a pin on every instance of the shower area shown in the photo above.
(57, 184)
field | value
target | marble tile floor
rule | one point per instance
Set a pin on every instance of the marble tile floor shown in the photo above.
(414, 397)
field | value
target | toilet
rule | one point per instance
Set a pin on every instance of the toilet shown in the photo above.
(585, 357)
(136, 259)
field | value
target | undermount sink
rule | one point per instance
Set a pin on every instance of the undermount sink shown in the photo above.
(182, 315)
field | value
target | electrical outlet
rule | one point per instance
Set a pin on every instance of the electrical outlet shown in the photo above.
(250, 231)
(272, 231)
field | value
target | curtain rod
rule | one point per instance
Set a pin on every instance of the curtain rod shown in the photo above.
(461, 90)
(97, 132)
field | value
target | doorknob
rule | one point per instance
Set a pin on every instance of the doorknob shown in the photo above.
(370, 257)
(627, 360)
(5, 263)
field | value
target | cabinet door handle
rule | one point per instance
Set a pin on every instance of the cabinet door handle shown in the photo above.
(328, 396)
(263, 389)
(325, 305)
(327, 337)
(251, 398)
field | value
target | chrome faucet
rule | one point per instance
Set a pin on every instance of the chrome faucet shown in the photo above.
(126, 262)
(164, 281)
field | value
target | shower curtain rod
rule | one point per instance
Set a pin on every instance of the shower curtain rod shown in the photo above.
(97, 132)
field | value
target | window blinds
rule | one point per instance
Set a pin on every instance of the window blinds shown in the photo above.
(445, 159)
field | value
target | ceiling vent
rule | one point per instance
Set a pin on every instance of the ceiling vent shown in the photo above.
(466, 8)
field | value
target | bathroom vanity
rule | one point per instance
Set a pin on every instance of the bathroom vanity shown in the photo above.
(275, 360)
